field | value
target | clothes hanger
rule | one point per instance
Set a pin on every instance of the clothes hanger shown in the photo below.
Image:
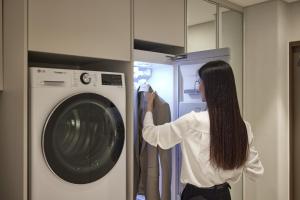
(145, 87)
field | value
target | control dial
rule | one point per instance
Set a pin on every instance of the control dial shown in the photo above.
(85, 78)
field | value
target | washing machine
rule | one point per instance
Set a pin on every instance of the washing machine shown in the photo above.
(77, 143)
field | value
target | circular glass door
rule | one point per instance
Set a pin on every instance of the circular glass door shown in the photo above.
(83, 138)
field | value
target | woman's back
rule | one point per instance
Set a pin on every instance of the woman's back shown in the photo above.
(197, 168)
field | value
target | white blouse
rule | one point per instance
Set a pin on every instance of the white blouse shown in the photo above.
(192, 132)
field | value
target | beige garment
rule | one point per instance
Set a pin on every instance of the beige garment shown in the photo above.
(147, 156)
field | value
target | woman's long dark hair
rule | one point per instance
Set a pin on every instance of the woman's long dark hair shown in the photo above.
(228, 133)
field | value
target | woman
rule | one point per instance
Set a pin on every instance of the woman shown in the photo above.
(217, 145)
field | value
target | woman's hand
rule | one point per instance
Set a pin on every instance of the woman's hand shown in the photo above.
(150, 98)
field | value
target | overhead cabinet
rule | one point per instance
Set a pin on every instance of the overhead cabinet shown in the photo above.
(1, 48)
(91, 28)
(160, 21)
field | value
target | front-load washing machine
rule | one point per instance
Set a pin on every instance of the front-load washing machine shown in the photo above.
(77, 143)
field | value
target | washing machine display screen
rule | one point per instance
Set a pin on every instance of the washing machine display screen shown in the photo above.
(83, 138)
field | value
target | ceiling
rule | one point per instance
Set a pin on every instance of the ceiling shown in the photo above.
(244, 3)
(201, 11)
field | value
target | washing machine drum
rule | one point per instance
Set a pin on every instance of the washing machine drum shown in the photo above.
(83, 138)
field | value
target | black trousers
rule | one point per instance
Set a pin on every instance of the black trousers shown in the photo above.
(218, 192)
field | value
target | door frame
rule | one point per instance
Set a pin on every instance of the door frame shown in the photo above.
(292, 47)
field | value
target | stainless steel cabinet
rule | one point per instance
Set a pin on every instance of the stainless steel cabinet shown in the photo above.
(91, 28)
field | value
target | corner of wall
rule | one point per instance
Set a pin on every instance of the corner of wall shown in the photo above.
(266, 75)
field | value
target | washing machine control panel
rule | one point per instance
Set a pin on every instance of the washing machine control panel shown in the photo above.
(111, 79)
(52, 77)
(85, 78)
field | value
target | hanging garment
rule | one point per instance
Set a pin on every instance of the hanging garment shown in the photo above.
(147, 157)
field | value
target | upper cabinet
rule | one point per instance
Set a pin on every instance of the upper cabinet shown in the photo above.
(201, 25)
(1, 48)
(91, 28)
(160, 21)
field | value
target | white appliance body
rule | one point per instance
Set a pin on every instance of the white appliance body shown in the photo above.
(48, 89)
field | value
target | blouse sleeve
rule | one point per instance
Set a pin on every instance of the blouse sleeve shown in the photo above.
(253, 167)
(166, 135)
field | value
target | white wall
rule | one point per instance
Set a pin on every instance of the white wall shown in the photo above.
(201, 37)
(266, 97)
(283, 103)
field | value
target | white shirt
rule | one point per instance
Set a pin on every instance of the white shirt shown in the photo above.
(192, 132)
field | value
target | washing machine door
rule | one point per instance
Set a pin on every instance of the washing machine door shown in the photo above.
(83, 138)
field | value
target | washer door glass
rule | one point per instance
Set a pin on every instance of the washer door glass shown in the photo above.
(83, 138)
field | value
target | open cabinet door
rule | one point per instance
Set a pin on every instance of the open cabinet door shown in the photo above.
(175, 80)
(188, 96)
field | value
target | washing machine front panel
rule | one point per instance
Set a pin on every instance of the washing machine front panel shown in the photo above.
(83, 138)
